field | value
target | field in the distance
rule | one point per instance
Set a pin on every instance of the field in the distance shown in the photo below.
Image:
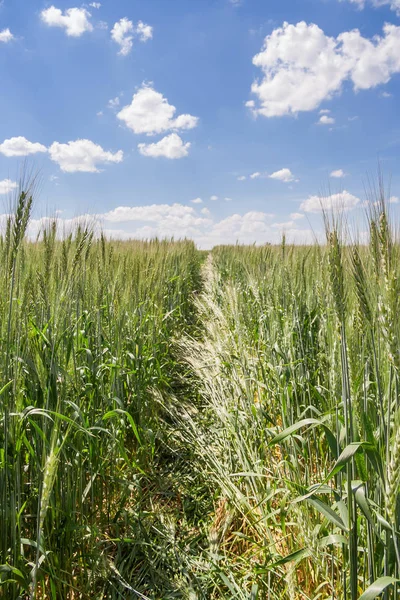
(181, 424)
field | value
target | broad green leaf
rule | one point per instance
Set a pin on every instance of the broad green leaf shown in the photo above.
(333, 540)
(347, 455)
(332, 441)
(119, 411)
(327, 512)
(295, 427)
(295, 556)
(362, 501)
(376, 588)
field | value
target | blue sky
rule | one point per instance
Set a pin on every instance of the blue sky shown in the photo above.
(248, 81)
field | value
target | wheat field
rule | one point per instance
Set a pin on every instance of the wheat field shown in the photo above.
(201, 425)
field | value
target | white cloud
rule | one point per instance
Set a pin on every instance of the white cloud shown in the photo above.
(150, 113)
(296, 216)
(20, 146)
(324, 111)
(255, 175)
(393, 4)
(64, 226)
(197, 201)
(171, 146)
(145, 32)
(338, 173)
(122, 34)
(124, 31)
(238, 227)
(360, 3)
(284, 175)
(7, 186)
(394, 200)
(386, 95)
(214, 198)
(325, 120)
(153, 212)
(283, 226)
(162, 220)
(82, 155)
(228, 199)
(251, 227)
(95, 4)
(114, 103)
(75, 21)
(242, 178)
(302, 67)
(179, 221)
(342, 201)
(6, 36)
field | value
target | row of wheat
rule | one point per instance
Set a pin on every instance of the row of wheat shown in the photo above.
(85, 330)
(297, 422)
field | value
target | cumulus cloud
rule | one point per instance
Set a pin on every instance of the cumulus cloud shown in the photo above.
(242, 178)
(6, 36)
(283, 226)
(75, 21)
(64, 226)
(338, 173)
(145, 32)
(296, 216)
(317, 204)
(95, 4)
(394, 200)
(302, 66)
(153, 212)
(325, 120)
(179, 221)
(170, 146)
(359, 3)
(393, 4)
(124, 32)
(255, 175)
(197, 201)
(284, 175)
(20, 146)
(150, 113)
(7, 186)
(114, 103)
(214, 198)
(82, 155)
(158, 220)
(251, 227)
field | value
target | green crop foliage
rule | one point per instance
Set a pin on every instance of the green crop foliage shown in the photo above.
(181, 424)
